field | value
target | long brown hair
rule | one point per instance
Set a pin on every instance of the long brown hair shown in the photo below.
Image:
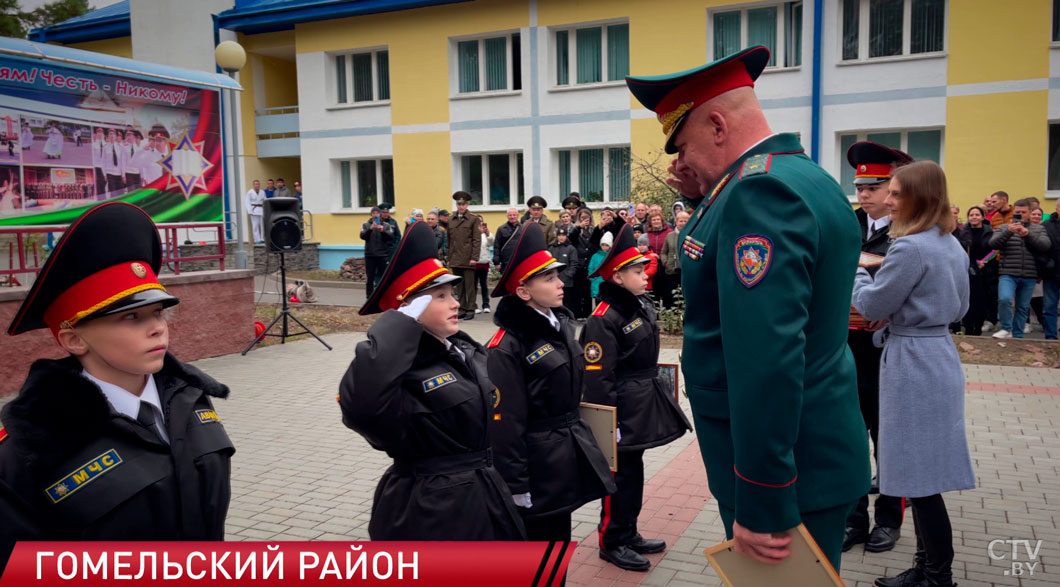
(925, 200)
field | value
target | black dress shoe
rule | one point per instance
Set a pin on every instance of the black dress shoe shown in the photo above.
(854, 536)
(642, 545)
(882, 539)
(875, 487)
(626, 558)
(909, 578)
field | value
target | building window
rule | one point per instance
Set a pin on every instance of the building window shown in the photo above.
(1053, 173)
(888, 28)
(922, 145)
(498, 175)
(592, 54)
(492, 64)
(367, 182)
(362, 77)
(778, 27)
(601, 174)
(1056, 21)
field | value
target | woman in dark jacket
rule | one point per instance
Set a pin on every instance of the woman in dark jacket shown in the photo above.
(974, 236)
(417, 389)
(581, 236)
(542, 448)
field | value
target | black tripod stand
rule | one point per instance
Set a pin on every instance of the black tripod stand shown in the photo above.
(285, 314)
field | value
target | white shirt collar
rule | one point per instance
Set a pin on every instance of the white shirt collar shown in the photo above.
(449, 346)
(124, 402)
(764, 139)
(550, 316)
(878, 223)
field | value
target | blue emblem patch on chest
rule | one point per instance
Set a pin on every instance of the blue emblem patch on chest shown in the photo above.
(437, 381)
(751, 257)
(632, 326)
(84, 475)
(539, 353)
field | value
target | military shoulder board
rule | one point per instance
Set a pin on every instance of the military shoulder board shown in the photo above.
(497, 338)
(601, 309)
(757, 165)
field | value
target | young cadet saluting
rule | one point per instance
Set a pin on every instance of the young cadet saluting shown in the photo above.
(417, 389)
(118, 441)
(621, 346)
(542, 448)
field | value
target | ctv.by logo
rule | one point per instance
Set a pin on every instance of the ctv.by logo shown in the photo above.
(1010, 550)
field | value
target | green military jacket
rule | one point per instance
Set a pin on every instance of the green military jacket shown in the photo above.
(768, 262)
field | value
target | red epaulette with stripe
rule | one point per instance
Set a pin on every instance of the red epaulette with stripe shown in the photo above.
(3, 435)
(496, 340)
(601, 309)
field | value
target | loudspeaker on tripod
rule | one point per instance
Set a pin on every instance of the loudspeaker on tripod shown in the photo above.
(283, 226)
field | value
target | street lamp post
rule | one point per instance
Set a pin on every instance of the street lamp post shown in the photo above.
(231, 57)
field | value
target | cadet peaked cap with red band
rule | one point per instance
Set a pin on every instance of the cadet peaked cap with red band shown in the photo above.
(673, 96)
(530, 258)
(874, 163)
(414, 268)
(106, 262)
(623, 253)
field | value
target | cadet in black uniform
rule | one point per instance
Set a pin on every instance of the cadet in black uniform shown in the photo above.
(873, 165)
(120, 440)
(621, 347)
(417, 389)
(541, 446)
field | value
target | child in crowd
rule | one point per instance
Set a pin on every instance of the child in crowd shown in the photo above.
(594, 264)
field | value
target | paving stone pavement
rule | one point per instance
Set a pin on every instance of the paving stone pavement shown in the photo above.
(299, 474)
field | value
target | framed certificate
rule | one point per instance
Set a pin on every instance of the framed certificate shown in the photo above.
(669, 373)
(602, 420)
(807, 566)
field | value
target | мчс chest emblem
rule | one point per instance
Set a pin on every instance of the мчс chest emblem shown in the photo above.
(752, 256)
(539, 353)
(632, 326)
(593, 352)
(437, 381)
(83, 475)
(207, 416)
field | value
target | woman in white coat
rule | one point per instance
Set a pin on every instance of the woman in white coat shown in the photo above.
(921, 287)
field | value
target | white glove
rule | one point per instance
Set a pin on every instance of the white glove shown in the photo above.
(523, 500)
(416, 307)
(618, 435)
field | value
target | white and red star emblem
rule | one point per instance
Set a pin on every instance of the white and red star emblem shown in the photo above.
(593, 352)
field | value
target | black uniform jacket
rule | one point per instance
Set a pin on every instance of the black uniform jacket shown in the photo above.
(429, 410)
(879, 243)
(621, 345)
(540, 443)
(866, 353)
(74, 469)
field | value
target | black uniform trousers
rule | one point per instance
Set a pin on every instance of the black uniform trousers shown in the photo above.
(889, 509)
(374, 268)
(101, 181)
(482, 273)
(582, 301)
(618, 516)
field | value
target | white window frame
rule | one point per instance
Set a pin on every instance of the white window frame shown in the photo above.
(575, 171)
(355, 196)
(572, 56)
(907, 36)
(454, 65)
(513, 175)
(1049, 194)
(862, 135)
(333, 82)
(782, 35)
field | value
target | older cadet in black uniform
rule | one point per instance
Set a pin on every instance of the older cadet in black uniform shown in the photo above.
(119, 440)
(417, 389)
(541, 446)
(873, 165)
(621, 345)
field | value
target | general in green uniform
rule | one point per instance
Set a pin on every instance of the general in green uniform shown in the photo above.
(769, 257)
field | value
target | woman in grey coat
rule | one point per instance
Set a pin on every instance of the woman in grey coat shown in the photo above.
(921, 287)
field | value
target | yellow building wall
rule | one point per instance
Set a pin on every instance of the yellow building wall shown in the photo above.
(994, 41)
(996, 142)
(119, 46)
(281, 82)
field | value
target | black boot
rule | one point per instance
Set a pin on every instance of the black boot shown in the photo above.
(882, 539)
(642, 545)
(626, 558)
(913, 577)
(937, 534)
(854, 536)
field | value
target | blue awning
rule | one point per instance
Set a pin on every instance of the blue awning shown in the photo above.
(109, 64)
(262, 16)
(103, 23)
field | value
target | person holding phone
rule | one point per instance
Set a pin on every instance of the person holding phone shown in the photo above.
(1017, 242)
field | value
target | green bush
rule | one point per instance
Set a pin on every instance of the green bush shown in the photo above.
(672, 320)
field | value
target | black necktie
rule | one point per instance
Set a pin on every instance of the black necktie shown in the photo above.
(114, 154)
(146, 418)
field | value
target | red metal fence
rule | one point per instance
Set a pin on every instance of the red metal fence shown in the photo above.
(21, 254)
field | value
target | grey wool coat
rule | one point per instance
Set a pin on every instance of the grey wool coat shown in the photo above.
(921, 287)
